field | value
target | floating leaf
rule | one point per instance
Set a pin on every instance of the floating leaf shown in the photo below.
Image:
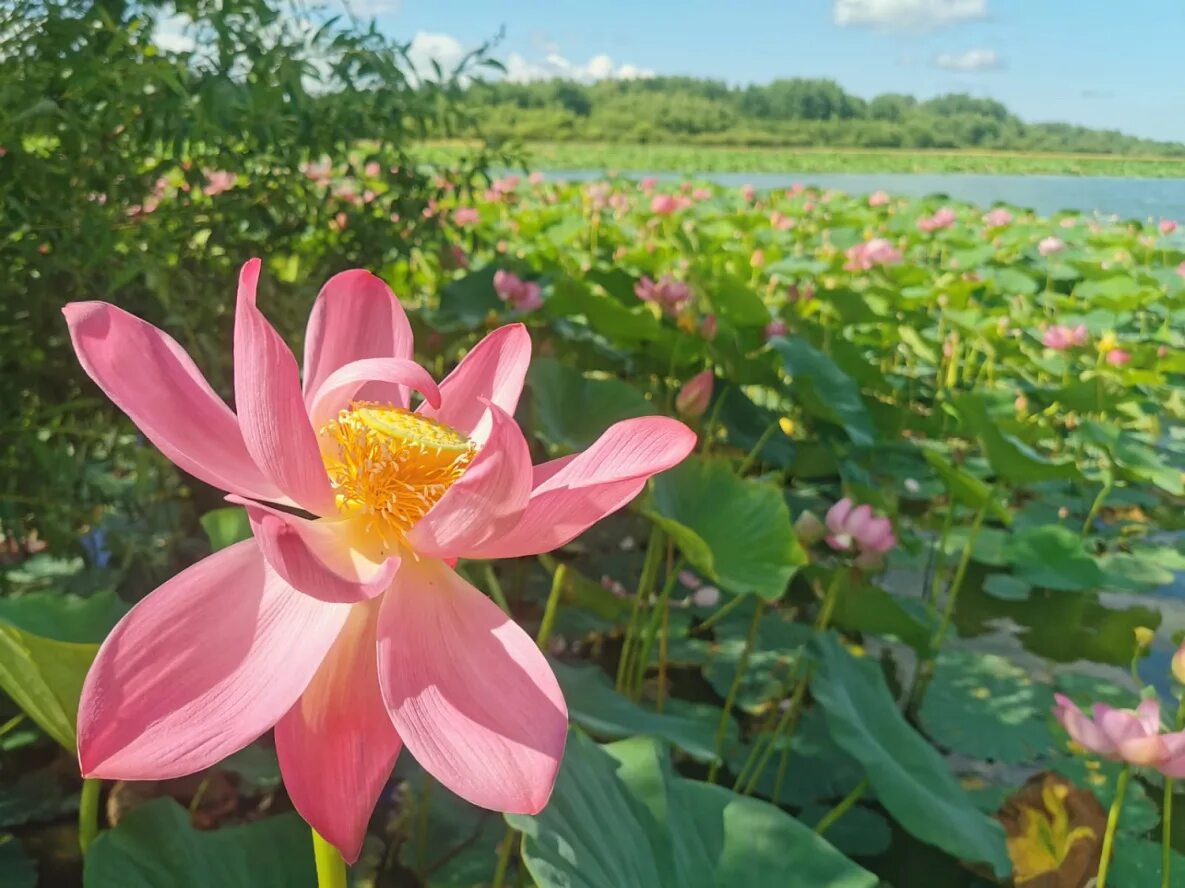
(826, 391)
(1052, 557)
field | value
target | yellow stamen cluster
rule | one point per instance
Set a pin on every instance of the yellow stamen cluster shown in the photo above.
(389, 466)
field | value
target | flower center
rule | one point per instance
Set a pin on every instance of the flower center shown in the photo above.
(389, 466)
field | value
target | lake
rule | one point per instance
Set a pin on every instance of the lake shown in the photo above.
(1123, 197)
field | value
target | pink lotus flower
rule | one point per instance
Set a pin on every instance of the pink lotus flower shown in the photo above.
(218, 181)
(857, 528)
(781, 222)
(536, 178)
(1050, 245)
(997, 218)
(701, 194)
(319, 173)
(1181, 270)
(943, 218)
(757, 259)
(749, 193)
(708, 327)
(521, 295)
(878, 199)
(466, 216)
(776, 327)
(667, 293)
(1168, 226)
(695, 395)
(878, 251)
(648, 184)
(373, 169)
(1060, 337)
(347, 631)
(664, 204)
(1124, 735)
(1118, 357)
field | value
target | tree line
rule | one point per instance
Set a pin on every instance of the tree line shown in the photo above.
(794, 112)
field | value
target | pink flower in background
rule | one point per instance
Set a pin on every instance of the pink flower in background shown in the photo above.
(319, 173)
(347, 631)
(878, 199)
(1168, 226)
(695, 395)
(373, 169)
(664, 204)
(521, 295)
(1050, 245)
(218, 181)
(1118, 357)
(852, 528)
(466, 216)
(667, 293)
(458, 256)
(1124, 735)
(536, 178)
(749, 193)
(1181, 270)
(701, 194)
(1069, 222)
(997, 218)
(795, 189)
(776, 327)
(506, 185)
(708, 327)
(757, 259)
(866, 255)
(1059, 337)
(649, 183)
(804, 293)
(339, 222)
(943, 218)
(781, 222)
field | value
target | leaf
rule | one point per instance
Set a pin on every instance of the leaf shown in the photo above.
(573, 409)
(984, 706)
(471, 299)
(965, 487)
(156, 845)
(225, 527)
(826, 391)
(861, 832)
(18, 868)
(1052, 557)
(1137, 861)
(734, 530)
(1010, 458)
(868, 608)
(620, 816)
(599, 709)
(1006, 587)
(64, 617)
(44, 677)
(911, 780)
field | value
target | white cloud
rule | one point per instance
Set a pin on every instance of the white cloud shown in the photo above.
(600, 67)
(428, 47)
(170, 33)
(907, 14)
(971, 60)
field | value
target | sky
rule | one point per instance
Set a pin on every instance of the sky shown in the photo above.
(1113, 64)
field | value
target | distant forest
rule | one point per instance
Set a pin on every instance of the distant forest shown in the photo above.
(785, 113)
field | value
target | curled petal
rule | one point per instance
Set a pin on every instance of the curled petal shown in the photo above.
(575, 492)
(493, 372)
(337, 745)
(343, 385)
(356, 316)
(315, 557)
(470, 694)
(1083, 730)
(272, 414)
(200, 668)
(151, 379)
(486, 501)
(837, 516)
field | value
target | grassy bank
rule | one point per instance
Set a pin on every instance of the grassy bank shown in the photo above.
(707, 159)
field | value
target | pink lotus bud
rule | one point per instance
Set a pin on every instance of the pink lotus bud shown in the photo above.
(466, 216)
(757, 259)
(1050, 245)
(695, 396)
(878, 199)
(1117, 357)
(749, 193)
(1168, 226)
(373, 169)
(708, 327)
(664, 204)
(776, 327)
(809, 529)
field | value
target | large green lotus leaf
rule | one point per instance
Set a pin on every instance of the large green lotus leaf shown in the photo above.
(469, 300)
(225, 527)
(1138, 862)
(867, 608)
(736, 302)
(1010, 458)
(861, 832)
(620, 816)
(64, 617)
(746, 423)
(44, 677)
(573, 409)
(985, 706)
(1052, 557)
(155, 845)
(599, 709)
(452, 843)
(824, 390)
(965, 487)
(735, 530)
(18, 868)
(912, 781)
(35, 797)
(1138, 459)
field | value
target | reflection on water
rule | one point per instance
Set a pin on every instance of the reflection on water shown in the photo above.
(1128, 198)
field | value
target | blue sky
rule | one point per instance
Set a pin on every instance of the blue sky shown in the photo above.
(1105, 63)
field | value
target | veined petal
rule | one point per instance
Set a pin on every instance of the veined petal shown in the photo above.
(200, 668)
(343, 385)
(574, 493)
(316, 557)
(470, 694)
(493, 371)
(151, 379)
(486, 501)
(356, 316)
(337, 745)
(272, 413)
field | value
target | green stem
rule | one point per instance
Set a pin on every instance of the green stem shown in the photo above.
(331, 869)
(654, 627)
(1097, 505)
(88, 813)
(495, 588)
(734, 689)
(725, 609)
(645, 586)
(747, 462)
(1112, 824)
(841, 808)
(12, 723)
(504, 854)
(552, 607)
